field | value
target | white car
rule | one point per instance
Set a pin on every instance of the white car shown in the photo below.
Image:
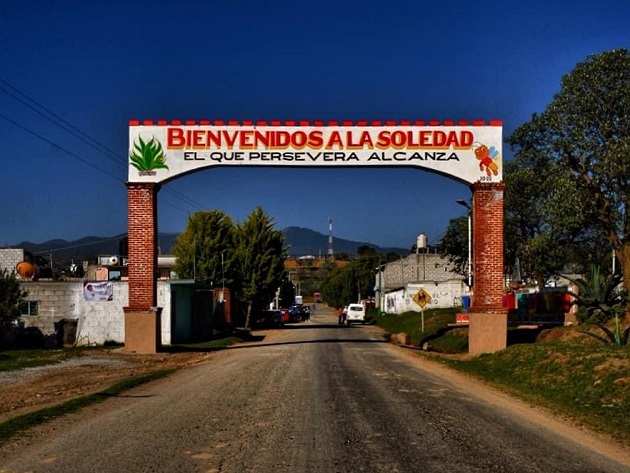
(356, 314)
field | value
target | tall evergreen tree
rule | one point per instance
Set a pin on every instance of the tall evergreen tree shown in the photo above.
(260, 256)
(205, 251)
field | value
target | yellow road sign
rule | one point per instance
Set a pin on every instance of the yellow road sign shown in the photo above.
(422, 298)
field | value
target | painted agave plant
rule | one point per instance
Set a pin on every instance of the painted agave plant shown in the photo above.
(148, 156)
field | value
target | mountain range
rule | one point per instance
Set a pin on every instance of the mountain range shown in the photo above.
(301, 242)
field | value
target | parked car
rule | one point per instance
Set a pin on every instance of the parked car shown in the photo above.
(270, 319)
(276, 317)
(355, 314)
(286, 315)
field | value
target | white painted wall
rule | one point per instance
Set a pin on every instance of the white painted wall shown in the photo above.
(98, 321)
(443, 294)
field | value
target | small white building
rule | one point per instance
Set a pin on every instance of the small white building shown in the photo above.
(95, 310)
(430, 273)
(97, 321)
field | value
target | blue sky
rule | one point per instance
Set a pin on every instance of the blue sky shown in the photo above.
(98, 65)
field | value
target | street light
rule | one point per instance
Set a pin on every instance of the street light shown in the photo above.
(222, 296)
(465, 204)
(380, 284)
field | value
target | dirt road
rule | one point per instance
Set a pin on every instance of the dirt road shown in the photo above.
(316, 397)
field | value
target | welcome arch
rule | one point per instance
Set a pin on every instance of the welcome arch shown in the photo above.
(468, 152)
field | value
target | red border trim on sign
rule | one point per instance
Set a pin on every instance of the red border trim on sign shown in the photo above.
(362, 123)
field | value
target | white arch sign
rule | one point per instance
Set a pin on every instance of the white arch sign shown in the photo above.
(161, 151)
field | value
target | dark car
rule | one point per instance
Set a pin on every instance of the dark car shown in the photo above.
(274, 317)
(270, 319)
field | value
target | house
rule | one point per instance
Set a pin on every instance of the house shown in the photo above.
(398, 283)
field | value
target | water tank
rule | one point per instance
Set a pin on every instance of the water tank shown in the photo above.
(422, 241)
(25, 269)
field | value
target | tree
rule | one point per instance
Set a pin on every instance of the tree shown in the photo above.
(260, 255)
(586, 131)
(205, 250)
(391, 256)
(547, 222)
(454, 244)
(364, 274)
(353, 281)
(287, 293)
(11, 295)
(365, 250)
(338, 286)
(342, 256)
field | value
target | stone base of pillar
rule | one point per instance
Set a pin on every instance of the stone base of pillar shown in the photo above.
(143, 332)
(487, 332)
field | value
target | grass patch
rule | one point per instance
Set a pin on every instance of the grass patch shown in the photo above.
(11, 427)
(435, 327)
(452, 341)
(588, 383)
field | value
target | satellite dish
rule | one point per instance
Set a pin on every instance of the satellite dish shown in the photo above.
(25, 269)
(113, 260)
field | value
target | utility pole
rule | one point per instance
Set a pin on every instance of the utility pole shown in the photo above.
(465, 204)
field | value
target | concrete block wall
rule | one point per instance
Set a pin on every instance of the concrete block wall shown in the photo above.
(10, 257)
(417, 268)
(97, 321)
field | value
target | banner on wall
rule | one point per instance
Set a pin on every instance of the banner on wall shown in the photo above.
(469, 153)
(98, 291)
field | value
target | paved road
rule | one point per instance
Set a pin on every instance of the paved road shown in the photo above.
(316, 397)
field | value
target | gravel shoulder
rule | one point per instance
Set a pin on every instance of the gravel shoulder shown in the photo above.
(30, 389)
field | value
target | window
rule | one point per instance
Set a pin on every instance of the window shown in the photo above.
(29, 308)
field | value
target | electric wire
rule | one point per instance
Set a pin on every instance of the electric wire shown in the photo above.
(76, 156)
(61, 148)
(60, 122)
(77, 133)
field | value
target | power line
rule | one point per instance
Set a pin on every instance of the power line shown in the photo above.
(77, 133)
(85, 161)
(61, 148)
(74, 131)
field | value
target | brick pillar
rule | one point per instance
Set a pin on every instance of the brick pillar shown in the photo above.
(142, 317)
(488, 247)
(488, 318)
